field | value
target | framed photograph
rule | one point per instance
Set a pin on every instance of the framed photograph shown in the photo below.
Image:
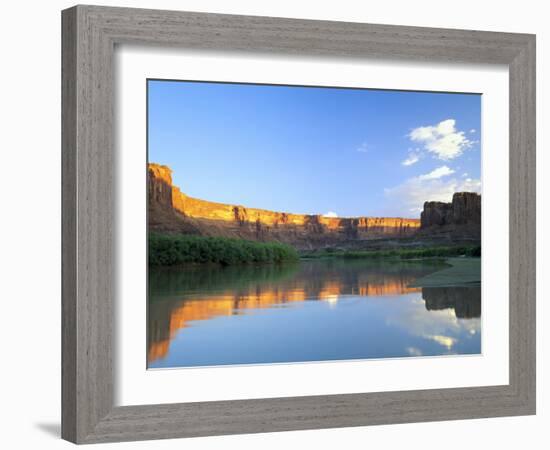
(278, 224)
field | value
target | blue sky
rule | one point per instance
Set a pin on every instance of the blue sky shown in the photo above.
(333, 151)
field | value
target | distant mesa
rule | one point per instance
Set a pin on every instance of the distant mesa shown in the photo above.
(461, 217)
(172, 211)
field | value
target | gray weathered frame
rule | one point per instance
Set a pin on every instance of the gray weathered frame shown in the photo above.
(89, 36)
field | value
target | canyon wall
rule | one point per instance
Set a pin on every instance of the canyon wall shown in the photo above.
(460, 218)
(170, 210)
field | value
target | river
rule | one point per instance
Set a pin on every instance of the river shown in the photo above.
(313, 310)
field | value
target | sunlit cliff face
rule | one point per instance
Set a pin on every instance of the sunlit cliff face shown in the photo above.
(160, 172)
(160, 183)
(205, 307)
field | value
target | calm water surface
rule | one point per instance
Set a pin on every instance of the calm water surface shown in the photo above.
(309, 311)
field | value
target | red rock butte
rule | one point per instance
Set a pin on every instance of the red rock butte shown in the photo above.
(170, 210)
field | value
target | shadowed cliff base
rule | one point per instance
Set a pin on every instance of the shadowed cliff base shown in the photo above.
(172, 212)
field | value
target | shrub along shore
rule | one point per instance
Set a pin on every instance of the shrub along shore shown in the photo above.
(171, 250)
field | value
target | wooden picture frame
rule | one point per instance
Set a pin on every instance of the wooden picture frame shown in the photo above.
(90, 34)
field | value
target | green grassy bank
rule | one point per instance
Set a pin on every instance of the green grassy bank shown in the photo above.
(430, 252)
(459, 272)
(171, 250)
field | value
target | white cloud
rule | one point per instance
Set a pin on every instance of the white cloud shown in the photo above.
(414, 351)
(443, 139)
(413, 158)
(437, 173)
(473, 130)
(330, 214)
(363, 148)
(407, 199)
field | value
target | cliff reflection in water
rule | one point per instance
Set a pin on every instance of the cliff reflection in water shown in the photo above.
(212, 298)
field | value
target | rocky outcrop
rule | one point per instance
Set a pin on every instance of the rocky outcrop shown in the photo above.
(159, 185)
(459, 219)
(160, 210)
(466, 208)
(170, 210)
(435, 214)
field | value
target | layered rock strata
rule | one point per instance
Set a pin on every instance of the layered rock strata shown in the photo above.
(460, 218)
(170, 210)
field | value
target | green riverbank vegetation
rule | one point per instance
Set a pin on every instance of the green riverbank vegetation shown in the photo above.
(171, 250)
(416, 253)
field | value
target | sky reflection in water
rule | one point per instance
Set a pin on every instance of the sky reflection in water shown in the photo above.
(312, 311)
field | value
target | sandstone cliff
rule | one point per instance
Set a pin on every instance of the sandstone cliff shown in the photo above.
(170, 210)
(460, 218)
